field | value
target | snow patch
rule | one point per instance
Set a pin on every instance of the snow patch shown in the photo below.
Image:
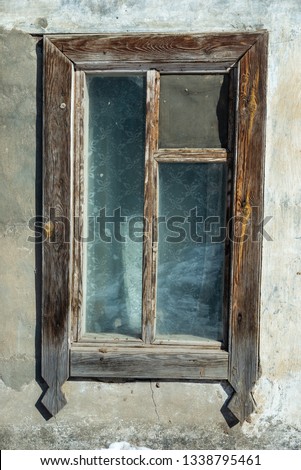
(123, 445)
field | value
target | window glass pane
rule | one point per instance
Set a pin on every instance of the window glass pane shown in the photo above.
(115, 181)
(192, 204)
(193, 111)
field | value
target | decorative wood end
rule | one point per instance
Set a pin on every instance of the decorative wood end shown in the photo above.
(54, 400)
(241, 405)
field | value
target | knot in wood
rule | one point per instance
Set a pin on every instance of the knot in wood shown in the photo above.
(48, 229)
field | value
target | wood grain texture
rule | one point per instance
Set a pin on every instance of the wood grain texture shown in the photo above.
(248, 201)
(231, 149)
(170, 53)
(191, 155)
(56, 248)
(78, 204)
(151, 146)
(133, 48)
(150, 363)
(164, 67)
(89, 339)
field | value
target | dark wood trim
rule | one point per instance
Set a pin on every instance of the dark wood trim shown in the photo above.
(56, 202)
(191, 155)
(155, 47)
(100, 341)
(231, 148)
(78, 205)
(153, 362)
(244, 322)
(151, 146)
(102, 66)
(213, 53)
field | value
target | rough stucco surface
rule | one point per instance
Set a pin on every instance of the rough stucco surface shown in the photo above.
(166, 415)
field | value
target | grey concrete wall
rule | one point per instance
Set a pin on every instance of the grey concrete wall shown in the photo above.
(166, 415)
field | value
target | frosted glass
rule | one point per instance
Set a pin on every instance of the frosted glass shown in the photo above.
(193, 111)
(191, 251)
(115, 168)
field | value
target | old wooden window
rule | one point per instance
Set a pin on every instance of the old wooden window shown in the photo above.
(153, 192)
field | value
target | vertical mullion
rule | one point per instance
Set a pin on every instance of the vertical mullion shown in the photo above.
(151, 146)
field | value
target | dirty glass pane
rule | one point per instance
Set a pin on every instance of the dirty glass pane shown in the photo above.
(193, 111)
(115, 179)
(192, 204)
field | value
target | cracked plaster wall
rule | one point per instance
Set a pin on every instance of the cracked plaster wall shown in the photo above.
(163, 415)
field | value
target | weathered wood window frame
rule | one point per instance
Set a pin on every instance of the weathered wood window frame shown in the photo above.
(67, 58)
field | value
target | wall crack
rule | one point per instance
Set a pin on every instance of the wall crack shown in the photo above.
(154, 401)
